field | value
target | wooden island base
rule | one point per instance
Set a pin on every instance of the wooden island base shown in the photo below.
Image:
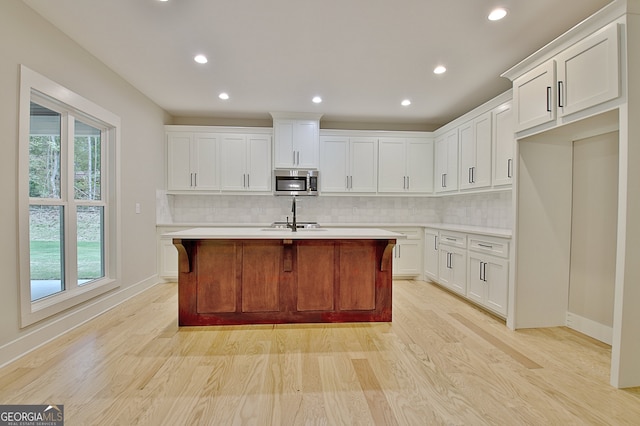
(283, 281)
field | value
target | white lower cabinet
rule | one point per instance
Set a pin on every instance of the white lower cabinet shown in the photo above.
(407, 253)
(488, 282)
(431, 254)
(452, 268)
(167, 254)
(472, 265)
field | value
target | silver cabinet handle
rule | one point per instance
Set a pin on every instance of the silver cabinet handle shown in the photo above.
(481, 277)
(298, 158)
(548, 98)
(435, 243)
(510, 168)
(560, 87)
(408, 182)
(195, 179)
(294, 158)
(485, 245)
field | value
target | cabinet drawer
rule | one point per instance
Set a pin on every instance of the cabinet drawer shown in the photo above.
(409, 233)
(494, 246)
(454, 239)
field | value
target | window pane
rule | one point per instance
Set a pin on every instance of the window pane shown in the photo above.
(44, 152)
(90, 243)
(86, 162)
(46, 244)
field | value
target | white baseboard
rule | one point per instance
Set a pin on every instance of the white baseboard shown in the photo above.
(66, 322)
(589, 327)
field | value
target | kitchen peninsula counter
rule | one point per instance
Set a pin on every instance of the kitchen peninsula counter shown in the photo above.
(268, 275)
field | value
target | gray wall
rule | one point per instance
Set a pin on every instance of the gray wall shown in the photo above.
(25, 38)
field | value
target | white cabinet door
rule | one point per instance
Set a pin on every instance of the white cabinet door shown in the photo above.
(431, 252)
(206, 159)
(306, 144)
(503, 144)
(363, 165)
(296, 143)
(246, 162)
(467, 154)
(407, 258)
(481, 173)
(588, 72)
(233, 153)
(284, 151)
(392, 165)
(192, 162)
(476, 288)
(534, 96)
(446, 148)
(405, 165)
(179, 173)
(258, 167)
(453, 269)
(349, 164)
(168, 259)
(488, 282)
(334, 163)
(497, 276)
(419, 165)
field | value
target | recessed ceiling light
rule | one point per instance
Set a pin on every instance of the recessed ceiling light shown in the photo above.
(406, 102)
(497, 14)
(439, 69)
(201, 59)
(316, 99)
(224, 96)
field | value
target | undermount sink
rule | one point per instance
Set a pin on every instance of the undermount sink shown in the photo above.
(298, 230)
(299, 225)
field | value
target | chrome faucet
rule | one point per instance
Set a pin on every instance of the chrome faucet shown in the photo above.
(294, 225)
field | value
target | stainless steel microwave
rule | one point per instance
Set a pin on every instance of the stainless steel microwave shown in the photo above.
(295, 182)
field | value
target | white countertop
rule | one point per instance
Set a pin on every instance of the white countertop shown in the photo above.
(278, 233)
(469, 229)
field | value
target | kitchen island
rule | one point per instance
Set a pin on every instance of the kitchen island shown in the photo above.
(270, 275)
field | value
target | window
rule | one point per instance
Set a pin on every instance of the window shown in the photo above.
(68, 198)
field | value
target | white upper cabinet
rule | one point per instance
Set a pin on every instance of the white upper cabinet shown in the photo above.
(348, 164)
(587, 75)
(503, 142)
(405, 165)
(296, 143)
(534, 96)
(475, 153)
(245, 162)
(446, 162)
(588, 72)
(192, 161)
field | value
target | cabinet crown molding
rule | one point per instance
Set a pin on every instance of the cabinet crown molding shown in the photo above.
(604, 16)
(295, 115)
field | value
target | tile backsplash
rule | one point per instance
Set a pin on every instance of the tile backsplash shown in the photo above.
(486, 209)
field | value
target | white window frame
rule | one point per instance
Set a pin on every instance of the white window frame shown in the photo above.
(31, 312)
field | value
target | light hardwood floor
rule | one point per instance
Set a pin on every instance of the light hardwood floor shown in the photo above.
(441, 361)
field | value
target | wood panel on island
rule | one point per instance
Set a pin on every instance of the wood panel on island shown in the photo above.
(284, 278)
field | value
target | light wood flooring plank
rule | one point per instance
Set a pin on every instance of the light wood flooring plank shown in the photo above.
(441, 361)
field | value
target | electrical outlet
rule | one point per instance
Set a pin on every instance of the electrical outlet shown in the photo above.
(138, 208)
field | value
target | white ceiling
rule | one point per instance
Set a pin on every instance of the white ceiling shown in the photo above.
(362, 56)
